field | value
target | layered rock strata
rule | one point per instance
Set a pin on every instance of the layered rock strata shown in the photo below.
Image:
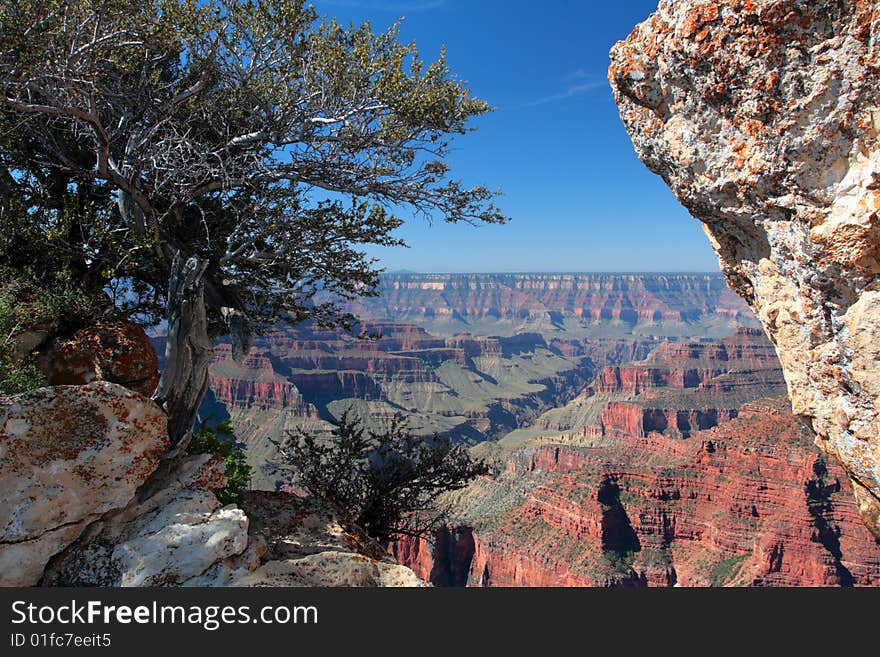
(631, 298)
(749, 502)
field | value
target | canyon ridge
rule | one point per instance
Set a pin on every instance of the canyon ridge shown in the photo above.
(636, 424)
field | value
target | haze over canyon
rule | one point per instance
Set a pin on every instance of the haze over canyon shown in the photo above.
(636, 424)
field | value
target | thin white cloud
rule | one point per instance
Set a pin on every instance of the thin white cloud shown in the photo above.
(574, 89)
(580, 74)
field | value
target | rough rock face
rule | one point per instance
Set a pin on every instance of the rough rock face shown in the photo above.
(67, 456)
(763, 117)
(91, 497)
(119, 352)
(173, 532)
(306, 542)
(176, 533)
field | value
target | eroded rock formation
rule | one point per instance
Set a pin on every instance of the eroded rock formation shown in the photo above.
(629, 298)
(747, 503)
(173, 531)
(763, 117)
(68, 455)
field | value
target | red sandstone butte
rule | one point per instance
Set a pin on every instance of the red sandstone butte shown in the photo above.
(749, 502)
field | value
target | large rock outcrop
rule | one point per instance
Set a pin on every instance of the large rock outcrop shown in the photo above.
(172, 532)
(93, 498)
(306, 541)
(763, 117)
(68, 455)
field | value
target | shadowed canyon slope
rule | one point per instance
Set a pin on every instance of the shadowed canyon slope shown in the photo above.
(763, 117)
(750, 502)
(661, 473)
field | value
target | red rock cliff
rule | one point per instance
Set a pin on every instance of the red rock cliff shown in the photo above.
(748, 502)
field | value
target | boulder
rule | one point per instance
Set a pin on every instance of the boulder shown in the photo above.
(68, 455)
(174, 531)
(119, 352)
(306, 542)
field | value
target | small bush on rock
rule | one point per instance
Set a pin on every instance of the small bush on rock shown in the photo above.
(218, 439)
(34, 304)
(389, 481)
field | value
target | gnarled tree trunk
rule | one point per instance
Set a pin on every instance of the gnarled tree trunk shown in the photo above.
(188, 351)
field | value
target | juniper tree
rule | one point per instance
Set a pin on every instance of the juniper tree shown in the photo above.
(218, 163)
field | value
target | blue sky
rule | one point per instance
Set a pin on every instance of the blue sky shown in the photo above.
(578, 196)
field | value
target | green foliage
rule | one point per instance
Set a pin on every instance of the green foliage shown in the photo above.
(32, 302)
(218, 439)
(724, 571)
(15, 379)
(389, 481)
(654, 558)
(620, 563)
(254, 134)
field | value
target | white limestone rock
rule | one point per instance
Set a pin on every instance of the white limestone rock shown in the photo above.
(68, 455)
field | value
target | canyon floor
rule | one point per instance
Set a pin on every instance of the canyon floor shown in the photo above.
(636, 425)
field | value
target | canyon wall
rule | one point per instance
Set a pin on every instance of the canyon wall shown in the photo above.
(472, 356)
(750, 502)
(683, 468)
(763, 118)
(470, 387)
(630, 298)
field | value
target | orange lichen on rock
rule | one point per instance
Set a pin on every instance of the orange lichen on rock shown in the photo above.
(771, 138)
(119, 352)
(68, 455)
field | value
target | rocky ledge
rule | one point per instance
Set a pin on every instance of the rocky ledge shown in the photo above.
(69, 455)
(93, 498)
(763, 117)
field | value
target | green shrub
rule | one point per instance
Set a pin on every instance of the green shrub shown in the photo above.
(218, 439)
(620, 563)
(28, 303)
(15, 379)
(389, 481)
(724, 571)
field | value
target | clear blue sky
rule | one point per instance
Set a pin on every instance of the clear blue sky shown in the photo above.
(578, 196)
